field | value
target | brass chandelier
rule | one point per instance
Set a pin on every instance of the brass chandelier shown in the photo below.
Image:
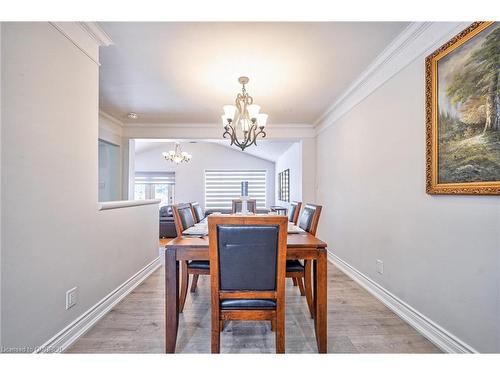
(242, 122)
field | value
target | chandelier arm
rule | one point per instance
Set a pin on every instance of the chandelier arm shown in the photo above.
(234, 138)
(231, 134)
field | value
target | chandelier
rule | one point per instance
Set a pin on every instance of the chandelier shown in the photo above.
(242, 122)
(177, 156)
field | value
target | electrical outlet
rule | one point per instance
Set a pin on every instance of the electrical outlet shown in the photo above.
(380, 267)
(71, 297)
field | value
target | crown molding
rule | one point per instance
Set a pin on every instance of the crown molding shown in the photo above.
(203, 125)
(97, 33)
(416, 39)
(111, 118)
(86, 36)
(211, 131)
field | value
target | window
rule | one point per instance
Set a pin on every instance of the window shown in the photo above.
(109, 172)
(284, 186)
(224, 185)
(155, 185)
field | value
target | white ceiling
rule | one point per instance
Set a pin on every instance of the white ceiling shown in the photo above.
(268, 150)
(172, 72)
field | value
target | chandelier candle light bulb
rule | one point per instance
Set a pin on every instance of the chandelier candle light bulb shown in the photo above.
(243, 119)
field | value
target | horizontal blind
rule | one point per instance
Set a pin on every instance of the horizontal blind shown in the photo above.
(224, 185)
(155, 178)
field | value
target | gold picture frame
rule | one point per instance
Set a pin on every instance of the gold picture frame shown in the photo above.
(433, 183)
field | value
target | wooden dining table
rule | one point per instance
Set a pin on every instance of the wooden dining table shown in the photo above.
(299, 246)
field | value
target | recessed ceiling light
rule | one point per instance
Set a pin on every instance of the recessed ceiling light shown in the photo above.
(132, 116)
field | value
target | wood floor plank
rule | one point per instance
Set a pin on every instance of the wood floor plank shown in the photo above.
(357, 323)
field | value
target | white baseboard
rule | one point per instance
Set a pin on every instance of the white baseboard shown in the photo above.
(432, 331)
(67, 336)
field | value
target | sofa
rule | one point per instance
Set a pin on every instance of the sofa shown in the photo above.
(167, 224)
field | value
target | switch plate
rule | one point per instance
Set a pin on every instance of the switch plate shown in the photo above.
(71, 297)
(380, 267)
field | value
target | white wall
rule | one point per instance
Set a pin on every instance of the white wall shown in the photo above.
(54, 237)
(190, 178)
(309, 170)
(111, 131)
(300, 158)
(440, 253)
(291, 159)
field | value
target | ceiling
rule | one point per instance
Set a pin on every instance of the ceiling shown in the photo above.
(267, 150)
(175, 73)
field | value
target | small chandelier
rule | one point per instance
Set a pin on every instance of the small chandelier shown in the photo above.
(242, 122)
(177, 156)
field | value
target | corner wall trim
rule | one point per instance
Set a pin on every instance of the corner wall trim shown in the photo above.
(416, 39)
(73, 331)
(432, 331)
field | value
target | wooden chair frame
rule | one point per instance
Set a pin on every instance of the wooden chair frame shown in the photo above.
(235, 201)
(305, 286)
(295, 217)
(185, 270)
(192, 204)
(277, 316)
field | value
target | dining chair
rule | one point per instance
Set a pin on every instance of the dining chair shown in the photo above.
(302, 270)
(197, 212)
(294, 211)
(184, 218)
(237, 205)
(248, 260)
(293, 215)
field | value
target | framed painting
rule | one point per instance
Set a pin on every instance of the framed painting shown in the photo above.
(463, 113)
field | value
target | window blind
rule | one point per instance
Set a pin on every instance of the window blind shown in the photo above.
(224, 185)
(155, 178)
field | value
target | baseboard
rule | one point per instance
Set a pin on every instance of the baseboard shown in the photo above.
(67, 336)
(425, 326)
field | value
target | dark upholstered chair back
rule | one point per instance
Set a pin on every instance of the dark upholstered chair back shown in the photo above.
(247, 254)
(309, 218)
(293, 213)
(247, 257)
(197, 212)
(183, 216)
(251, 205)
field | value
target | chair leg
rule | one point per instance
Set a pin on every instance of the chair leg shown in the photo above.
(308, 286)
(301, 286)
(184, 285)
(216, 336)
(295, 282)
(280, 332)
(194, 283)
(273, 325)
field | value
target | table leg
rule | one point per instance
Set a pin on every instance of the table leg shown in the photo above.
(320, 300)
(171, 299)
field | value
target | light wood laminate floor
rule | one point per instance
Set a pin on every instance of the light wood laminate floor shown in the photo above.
(357, 323)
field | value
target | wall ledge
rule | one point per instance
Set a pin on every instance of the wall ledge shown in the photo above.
(123, 204)
(439, 336)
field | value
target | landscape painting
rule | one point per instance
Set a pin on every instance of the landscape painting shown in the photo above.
(463, 113)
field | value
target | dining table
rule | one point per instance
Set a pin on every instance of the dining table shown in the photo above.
(300, 245)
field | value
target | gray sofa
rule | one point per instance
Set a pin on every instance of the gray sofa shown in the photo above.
(167, 224)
